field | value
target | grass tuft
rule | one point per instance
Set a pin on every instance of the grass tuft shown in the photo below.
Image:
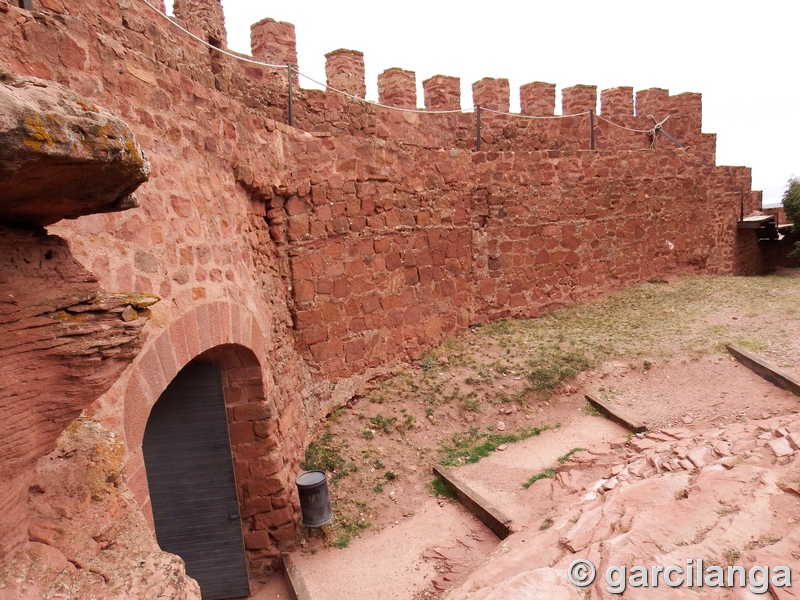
(474, 445)
(439, 487)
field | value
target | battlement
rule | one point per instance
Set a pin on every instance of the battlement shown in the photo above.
(626, 121)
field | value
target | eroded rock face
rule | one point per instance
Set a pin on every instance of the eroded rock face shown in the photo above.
(88, 538)
(62, 156)
(62, 344)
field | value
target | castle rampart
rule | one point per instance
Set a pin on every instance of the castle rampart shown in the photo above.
(305, 259)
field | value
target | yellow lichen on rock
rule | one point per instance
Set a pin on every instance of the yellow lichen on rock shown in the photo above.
(37, 134)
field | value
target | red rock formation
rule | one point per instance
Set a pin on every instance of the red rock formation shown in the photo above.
(61, 156)
(88, 538)
(63, 342)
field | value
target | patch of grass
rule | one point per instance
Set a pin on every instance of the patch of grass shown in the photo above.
(367, 433)
(471, 404)
(378, 487)
(565, 458)
(554, 367)
(550, 472)
(439, 487)
(383, 423)
(546, 524)
(750, 344)
(389, 475)
(348, 521)
(427, 362)
(591, 410)
(474, 445)
(546, 474)
(408, 423)
(325, 454)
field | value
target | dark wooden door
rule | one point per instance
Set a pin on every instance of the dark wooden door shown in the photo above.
(187, 454)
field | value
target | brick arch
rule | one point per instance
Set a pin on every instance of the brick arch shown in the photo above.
(203, 328)
(227, 334)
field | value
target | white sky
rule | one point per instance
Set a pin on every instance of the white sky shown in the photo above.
(742, 56)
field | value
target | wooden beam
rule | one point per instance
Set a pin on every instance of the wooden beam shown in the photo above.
(774, 375)
(613, 413)
(477, 504)
(294, 581)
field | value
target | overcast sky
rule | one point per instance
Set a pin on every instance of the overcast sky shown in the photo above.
(742, 56)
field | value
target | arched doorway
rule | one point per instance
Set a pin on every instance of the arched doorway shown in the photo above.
(187, 455)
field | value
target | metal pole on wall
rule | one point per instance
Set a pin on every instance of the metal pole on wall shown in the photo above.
(291, 99)
(478, 114)
(591, 126)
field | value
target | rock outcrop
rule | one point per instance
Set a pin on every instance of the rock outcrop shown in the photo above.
(88, 538)
(68, 525)
(61, 155)
(726, 496)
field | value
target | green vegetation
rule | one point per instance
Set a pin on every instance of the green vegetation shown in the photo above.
(325, 454)
(551, 472)
(546, 474)
(474, 445)
(439, 487)
(383, 423)
(554, 366)
(565, 458)
(591, 410)
(791, 204)
(348, 521)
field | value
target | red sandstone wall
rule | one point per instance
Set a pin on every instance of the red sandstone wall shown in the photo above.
(364, 244)
(386, 259)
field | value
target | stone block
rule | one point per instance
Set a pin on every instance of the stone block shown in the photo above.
(578, 99)
(397, 87)
(492, 93)
(537, 98)
(442, 93)
(344, 70)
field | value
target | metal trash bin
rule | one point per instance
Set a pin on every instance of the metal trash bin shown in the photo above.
(314, 500)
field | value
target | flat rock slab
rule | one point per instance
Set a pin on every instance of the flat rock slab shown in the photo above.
(61, 155)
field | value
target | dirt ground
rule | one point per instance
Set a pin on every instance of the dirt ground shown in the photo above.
(505, 401)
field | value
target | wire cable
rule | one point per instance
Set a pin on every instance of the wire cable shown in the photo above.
(246, 59)
(623, 127)
(498, 112)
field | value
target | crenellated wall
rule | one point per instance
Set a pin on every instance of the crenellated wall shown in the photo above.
(306, 259)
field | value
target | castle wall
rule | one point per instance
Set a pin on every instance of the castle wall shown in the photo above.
(386, 260)
(365, 242)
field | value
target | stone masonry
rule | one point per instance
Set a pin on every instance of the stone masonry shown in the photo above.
(306, 259)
